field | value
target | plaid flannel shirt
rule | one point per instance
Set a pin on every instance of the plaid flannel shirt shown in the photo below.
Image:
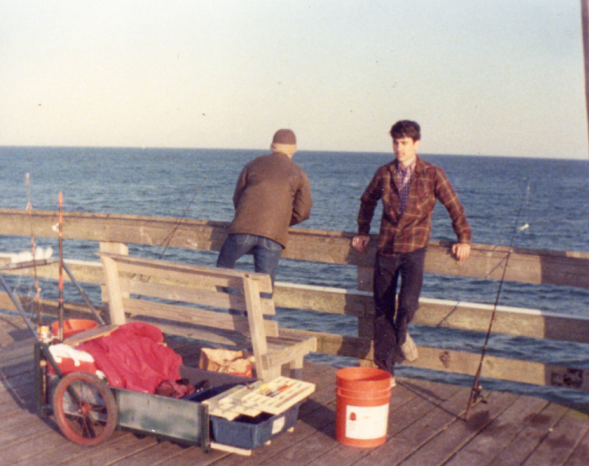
(412, 229)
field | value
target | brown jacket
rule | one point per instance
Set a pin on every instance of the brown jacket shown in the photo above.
(272, 193)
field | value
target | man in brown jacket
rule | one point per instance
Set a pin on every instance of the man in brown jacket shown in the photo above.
(272, 193)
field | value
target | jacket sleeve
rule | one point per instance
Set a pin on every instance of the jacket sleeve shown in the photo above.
(302, 204)
(448, 197)
(368, 203)
(240, 187)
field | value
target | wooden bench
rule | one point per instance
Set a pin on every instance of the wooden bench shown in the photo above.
(164, 293)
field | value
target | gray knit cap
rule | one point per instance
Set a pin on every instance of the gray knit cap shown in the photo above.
(284, 136)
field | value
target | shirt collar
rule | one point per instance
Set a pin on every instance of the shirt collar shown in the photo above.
(408, 169)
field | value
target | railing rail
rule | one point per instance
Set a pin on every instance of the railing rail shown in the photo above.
(114, 232)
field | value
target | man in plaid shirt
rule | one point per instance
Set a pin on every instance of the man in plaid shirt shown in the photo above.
(408, 187)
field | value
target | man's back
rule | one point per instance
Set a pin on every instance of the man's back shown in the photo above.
(272, 193)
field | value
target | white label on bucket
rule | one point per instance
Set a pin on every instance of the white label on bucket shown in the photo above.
(366, 422)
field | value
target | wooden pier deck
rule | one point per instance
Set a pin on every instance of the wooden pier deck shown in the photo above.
(425, 427)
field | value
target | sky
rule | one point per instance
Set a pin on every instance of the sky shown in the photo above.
(482, 77)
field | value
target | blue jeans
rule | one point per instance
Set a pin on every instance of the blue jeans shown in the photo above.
(266, 252)
(391, 321)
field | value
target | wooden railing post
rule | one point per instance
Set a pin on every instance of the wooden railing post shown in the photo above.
(115, 297)
(111, 248)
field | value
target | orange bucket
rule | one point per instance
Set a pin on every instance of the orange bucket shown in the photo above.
(72, 327)
(362, 406)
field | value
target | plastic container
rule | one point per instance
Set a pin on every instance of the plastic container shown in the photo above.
(244, 431)
(73, 326)
(362, 406)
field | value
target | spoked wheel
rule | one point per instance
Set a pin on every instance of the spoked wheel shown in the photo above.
(85, 409)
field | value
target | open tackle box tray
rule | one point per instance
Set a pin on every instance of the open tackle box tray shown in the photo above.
(250, 415)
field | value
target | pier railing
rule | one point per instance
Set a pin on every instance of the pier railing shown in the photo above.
(114, 232)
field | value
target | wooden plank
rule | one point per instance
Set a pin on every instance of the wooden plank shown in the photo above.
(16, 351)
(530, 323)
(461, 315)
(257, 331)
(230, 449)
(459, 362)
(484, 447)
(193, 315)
(365, 278)
(48, 307)
(195, 456)
(525, 265)
(290, 351)
(120, 446)
(322, 299)
(502, 368)
(175, 275)
(193, 295)
(559, 443)
(323, 376)
(458, 433)
(34, 442)
(202, 334)
(527, 440)
(114, 248)
(83, 271)
(334, 344)
(187, 273)
(154, 454)
(580, 453)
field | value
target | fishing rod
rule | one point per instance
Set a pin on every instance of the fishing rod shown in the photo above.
(477, 388)
(60, 280)
(34, 250)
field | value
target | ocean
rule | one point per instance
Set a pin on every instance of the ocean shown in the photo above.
(530, 202)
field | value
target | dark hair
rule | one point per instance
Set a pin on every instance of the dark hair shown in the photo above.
(406, 128)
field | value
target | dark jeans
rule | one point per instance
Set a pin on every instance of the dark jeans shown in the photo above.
(391, 321)
(266, 252)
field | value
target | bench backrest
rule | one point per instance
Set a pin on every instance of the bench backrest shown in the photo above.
(133, 283)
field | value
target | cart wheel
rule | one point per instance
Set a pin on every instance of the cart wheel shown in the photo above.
(85, 409)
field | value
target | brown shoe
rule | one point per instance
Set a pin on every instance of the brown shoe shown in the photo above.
(409, 349)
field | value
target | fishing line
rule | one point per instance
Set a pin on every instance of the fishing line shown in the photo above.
(523, 227)
(168, 239)
(476, 386)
